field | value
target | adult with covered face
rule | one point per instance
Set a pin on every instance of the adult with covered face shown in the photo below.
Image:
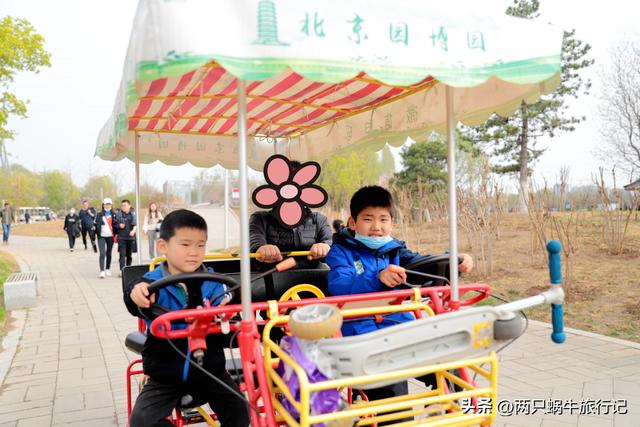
(270, 236)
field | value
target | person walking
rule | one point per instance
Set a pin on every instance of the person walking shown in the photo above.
(125, 226)
(87, 217)
(152, 220)
(104, 229)
(27, 217)
(8, 218)
(72, 227)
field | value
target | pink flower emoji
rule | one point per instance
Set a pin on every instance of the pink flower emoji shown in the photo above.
(287, 192)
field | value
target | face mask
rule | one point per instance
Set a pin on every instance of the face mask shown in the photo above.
(373, 242)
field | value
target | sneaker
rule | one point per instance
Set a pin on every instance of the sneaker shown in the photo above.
(85, 247)
(108, 273)
(71, 249)
(102, 274)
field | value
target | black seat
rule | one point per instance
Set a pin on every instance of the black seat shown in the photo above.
(135, 341)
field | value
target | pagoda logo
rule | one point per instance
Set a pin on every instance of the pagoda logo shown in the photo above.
(268, 25)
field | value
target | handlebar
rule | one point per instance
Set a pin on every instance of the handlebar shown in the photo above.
(555, 273)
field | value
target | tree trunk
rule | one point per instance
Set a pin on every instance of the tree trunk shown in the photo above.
(523, 160)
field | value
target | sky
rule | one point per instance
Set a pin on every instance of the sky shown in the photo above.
(70, 101)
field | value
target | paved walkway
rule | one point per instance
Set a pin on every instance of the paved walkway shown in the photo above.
(70, 362)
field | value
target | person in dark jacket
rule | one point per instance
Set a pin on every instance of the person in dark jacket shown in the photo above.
(366, 258)
(269, 238)
(125, 227)
(183, 237)
(87, 217)
(72, 227)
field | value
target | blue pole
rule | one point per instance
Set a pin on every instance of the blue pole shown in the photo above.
(555, 272)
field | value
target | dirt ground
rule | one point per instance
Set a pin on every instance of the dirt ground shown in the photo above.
(604, 296)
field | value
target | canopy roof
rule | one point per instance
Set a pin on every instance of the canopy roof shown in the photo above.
(322, 76)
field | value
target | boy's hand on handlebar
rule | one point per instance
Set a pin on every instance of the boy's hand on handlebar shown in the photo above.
(140, 295)
(269, 253)
(467, 263)
(318, 250)
(225, 301)
(393, 276)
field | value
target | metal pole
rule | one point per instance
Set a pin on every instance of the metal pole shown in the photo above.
(226, 209)
(245, 266)
(453, 213)
(137, 162)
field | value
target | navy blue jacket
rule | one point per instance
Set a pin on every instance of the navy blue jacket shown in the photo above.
(355, 269)
(87, 217)
(159, 360)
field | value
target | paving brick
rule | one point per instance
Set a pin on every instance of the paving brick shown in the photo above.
(88, 414)
(44, 421)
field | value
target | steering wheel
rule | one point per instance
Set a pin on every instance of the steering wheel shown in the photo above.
(435, 265)
(156, 310)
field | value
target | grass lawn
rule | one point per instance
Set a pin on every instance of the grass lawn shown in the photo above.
(8, 265)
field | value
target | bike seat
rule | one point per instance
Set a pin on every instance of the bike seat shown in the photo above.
(135, 341)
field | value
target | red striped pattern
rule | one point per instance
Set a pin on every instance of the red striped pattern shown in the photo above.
(203, 102)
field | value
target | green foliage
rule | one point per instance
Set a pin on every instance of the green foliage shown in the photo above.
(22, 187)
(59, 192)
(424, 162)
(511, 140)
(21, 49)
(8, 265)
(342, 175)
(99, 186)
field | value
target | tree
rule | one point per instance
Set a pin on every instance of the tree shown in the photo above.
(512, 140)
(424, 162)
(619, 108)
(342, 175)
(97, 188)
(59, 191)
(22, 187)
(21, 49)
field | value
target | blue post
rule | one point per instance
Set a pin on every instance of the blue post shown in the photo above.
(555, 272)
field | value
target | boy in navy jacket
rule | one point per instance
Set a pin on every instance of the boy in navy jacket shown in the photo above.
(183, 237)
(360, 258)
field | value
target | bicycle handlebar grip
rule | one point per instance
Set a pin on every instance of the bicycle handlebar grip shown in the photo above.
(555, 272)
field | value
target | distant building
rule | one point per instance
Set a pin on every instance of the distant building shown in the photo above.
(634, 186)
(177, 191)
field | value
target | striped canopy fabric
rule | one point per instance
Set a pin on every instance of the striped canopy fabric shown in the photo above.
(322, 77)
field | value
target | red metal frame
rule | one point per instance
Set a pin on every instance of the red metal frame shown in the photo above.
(201, 324)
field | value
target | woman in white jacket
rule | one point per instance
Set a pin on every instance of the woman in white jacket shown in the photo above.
(152, 220)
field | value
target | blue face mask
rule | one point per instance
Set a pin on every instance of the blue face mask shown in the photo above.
(373, 242)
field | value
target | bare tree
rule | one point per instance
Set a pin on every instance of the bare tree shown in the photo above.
(563, 181)
(616, 213)
(619, 109)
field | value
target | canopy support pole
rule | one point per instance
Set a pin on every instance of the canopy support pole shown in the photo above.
(138, 228)
(245, 266)
(226, 209)
(453, 213)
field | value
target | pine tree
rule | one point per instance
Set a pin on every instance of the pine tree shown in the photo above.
(512, 140)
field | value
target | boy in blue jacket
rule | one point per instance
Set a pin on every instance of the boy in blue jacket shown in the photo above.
(360, 258)
(182, 240)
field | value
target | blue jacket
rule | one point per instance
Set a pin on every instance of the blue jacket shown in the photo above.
(174, 298)
(355, 269)
(159, 360)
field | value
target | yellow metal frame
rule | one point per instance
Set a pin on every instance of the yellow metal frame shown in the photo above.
(384, 410)
(225, 256)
